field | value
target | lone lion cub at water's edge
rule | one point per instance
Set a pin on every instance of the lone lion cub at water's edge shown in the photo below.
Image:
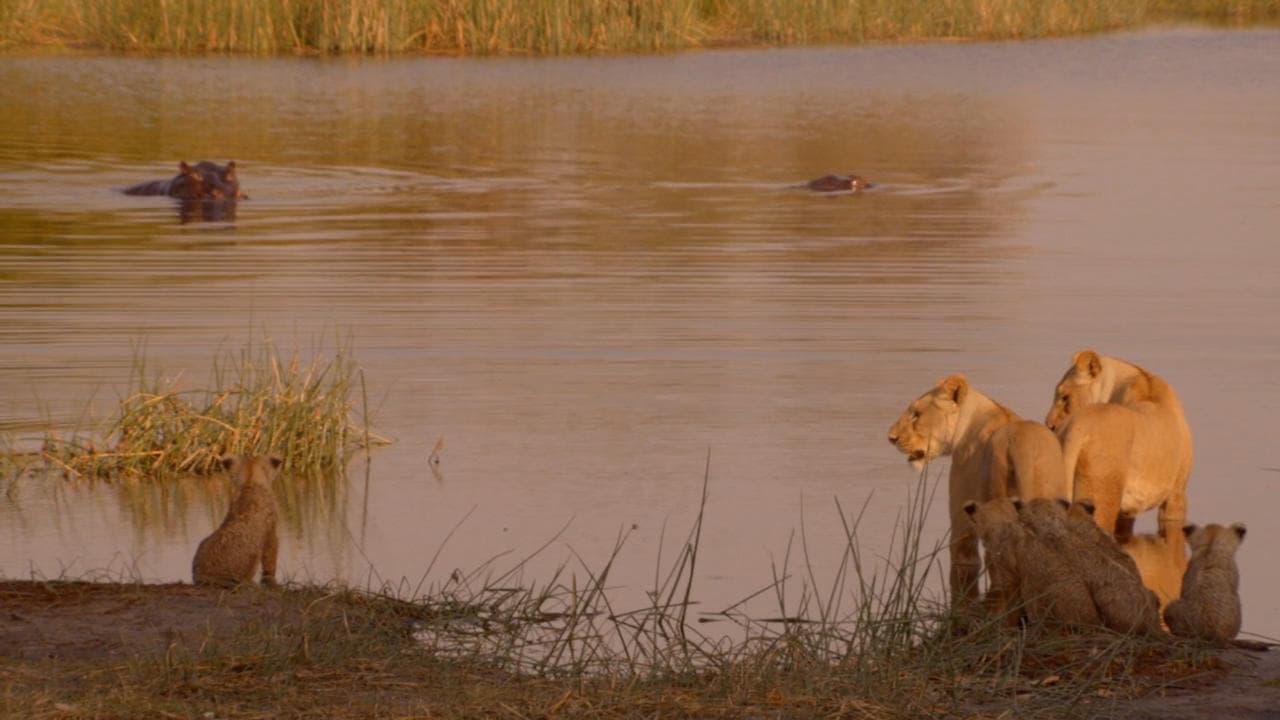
(1209, 608)
(247, 537)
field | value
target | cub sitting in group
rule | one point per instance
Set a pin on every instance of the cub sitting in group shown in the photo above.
(247, 537)
(994, 453)
(1209, 608)
(1059, 567)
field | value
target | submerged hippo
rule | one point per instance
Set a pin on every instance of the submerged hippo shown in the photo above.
(188, 184)
(222, 178)
(839, 183)
(203, 181)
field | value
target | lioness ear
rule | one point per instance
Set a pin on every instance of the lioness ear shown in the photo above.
(1088, 361)
(1188, 529)
(1239, 528)
(971, 507)
(1087, 506)
(956, 387)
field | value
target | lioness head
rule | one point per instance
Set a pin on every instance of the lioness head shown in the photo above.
(925, 430)
(1077, 388)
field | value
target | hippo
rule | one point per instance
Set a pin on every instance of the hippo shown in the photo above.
(203, 181)
(222, 178)
(838, 183)
(188, 184)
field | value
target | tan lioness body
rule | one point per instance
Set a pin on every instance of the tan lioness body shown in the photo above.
(247, 537)
(994, 453)
(1162, 560)
(1125, 441)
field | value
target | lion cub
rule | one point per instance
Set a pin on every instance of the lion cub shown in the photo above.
(1053, 588)
(1209, 608)
(996, 525)
(247, 537)
(1124, 604)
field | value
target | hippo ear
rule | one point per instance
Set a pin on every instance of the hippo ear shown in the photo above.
(1087, 505)
(183, 167)
(1239, 528)
(971, 507)
(956, 387)
(1087, 361)
(1188, 529)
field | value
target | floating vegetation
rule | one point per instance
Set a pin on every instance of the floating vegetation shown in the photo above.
(258, 402)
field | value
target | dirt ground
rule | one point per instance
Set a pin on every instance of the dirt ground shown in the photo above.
(85, 621)
(100, 623)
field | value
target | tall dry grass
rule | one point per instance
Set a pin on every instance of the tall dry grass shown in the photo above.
(565, 26)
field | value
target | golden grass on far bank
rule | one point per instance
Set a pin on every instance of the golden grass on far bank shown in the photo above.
(266, 27)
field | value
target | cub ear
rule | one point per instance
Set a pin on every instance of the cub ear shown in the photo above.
(971, 507)
(1065, 503)
(956, 387)
(1188, 529)
(1017, 503)
(1239, 528)
(228, 461)
(275, 461)
(1089, 362)
(1087, 505)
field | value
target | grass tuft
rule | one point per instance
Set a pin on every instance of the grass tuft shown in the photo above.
(258, 402)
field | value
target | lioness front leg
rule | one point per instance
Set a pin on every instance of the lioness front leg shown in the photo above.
(1174, 510)
(1106, 492)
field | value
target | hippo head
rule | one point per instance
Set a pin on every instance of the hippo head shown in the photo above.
(220, 181)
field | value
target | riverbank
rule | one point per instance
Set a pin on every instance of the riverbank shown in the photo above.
(105, 650)
(272, 27)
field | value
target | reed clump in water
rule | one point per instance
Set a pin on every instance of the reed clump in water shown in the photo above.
(258, 402)
(566, 26)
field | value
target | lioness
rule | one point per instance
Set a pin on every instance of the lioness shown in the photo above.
(994, 453)
(247, 537)
(1125, 440)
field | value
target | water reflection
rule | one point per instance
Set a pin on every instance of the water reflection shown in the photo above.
(589, 274)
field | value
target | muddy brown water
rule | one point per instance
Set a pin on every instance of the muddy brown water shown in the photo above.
(591, 277)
